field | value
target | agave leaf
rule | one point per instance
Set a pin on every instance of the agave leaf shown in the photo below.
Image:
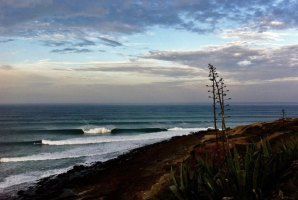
(185, 176)
(173, 177)
(256, 173)
(265, 148)
(268, 145)
(241, 176)
(230, 163)
(236, 160)
(182, 186)
(207, 180)
(174, 189)
(247, 159)
(284, 146)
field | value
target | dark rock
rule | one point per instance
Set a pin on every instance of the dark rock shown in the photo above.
(67, 194)
(78, 167)
(21, 192)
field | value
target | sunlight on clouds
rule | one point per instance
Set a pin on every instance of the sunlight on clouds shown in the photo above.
(251, 35)
(244, 63)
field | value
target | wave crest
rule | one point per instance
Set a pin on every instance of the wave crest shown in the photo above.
(140, 137)
(98, 130)
(39, 157)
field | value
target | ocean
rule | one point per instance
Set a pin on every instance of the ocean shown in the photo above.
(37, 141)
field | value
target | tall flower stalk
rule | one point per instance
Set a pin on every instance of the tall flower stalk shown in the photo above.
(219, 96)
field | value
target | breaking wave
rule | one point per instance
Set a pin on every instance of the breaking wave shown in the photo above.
(104, 130)
(40, 157)
(68, 154)
(160, 135)
(99, 130)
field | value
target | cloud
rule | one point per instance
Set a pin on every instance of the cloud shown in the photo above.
(7, 40)
(161, 69)
(58, 43)
(246, 34)
(109, 42)
(71, 50)
(17, 80)
(239, 62)
(158, 71)
(34, 17)
(6, 67)
(76, 45)
(85, 42)
(244, 63)
(54, 43)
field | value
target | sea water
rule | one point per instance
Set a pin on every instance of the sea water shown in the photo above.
(37, 141)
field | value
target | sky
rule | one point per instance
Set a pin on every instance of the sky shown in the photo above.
(136, 51)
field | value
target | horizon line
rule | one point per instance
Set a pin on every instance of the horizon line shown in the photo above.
(147, 103)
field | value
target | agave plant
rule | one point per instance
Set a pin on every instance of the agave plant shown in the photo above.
(246, 176)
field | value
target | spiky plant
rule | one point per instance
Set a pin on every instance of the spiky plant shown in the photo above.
(246, 176)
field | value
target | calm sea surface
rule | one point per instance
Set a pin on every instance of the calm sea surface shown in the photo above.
(41, 140)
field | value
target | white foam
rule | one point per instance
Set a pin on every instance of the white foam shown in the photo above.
(74, 153)
(46, 156)
(97, 130)
(98, 155)
(105, 139)
(29, 177)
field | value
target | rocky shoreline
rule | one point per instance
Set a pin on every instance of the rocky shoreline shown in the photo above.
(128, 176)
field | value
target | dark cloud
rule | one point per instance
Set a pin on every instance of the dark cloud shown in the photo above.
(51, 43)
(7, 40)
(239, 62)
(71, 50)
(111, 43)
(85, 42)
(125, 16)
(6, 67)
(82, 51)
(60, 43)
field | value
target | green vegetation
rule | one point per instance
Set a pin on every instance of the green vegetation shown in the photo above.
(252, 174)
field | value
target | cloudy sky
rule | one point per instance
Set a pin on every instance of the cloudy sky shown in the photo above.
(134, 51)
